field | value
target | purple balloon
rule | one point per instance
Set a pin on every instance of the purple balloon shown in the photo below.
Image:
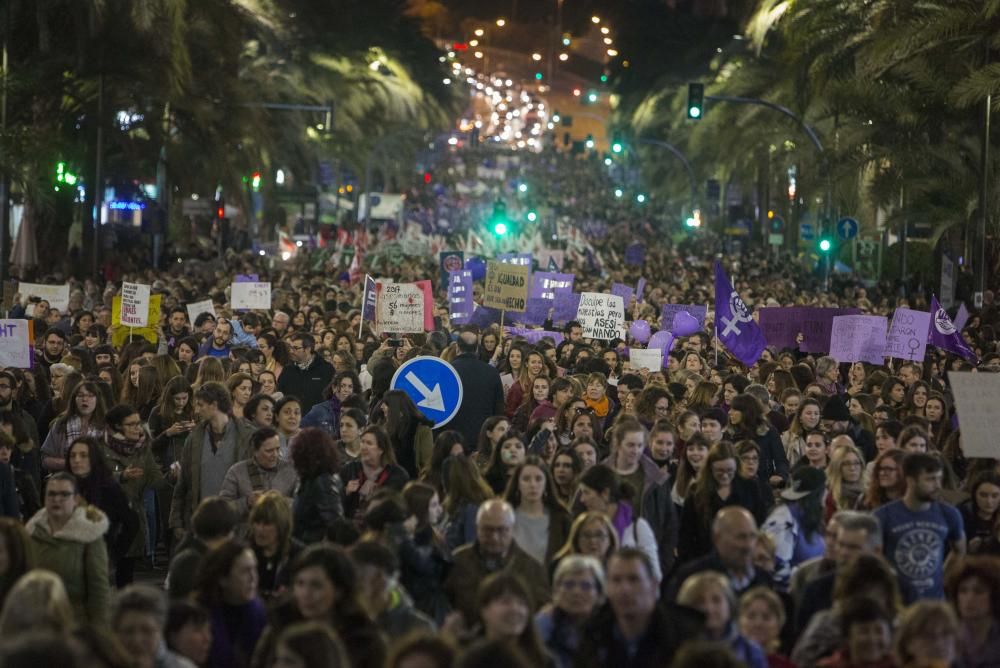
(662, 340)
(685, 324)
(640, 331)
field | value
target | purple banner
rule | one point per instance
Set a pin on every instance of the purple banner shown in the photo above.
(946, 336)
(536, 311)
(460, 304)
(907, 337)
(635, 254)
(623, 291)
(533, 335)
(566, 305)
(782, 325)
(247, 278)
(483, 317)
(699, 311)
(547, 284)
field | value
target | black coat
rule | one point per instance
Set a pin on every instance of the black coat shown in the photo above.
(393, 476)
(316, 507)
(482, 397)
(9, 504)
(668, 629)
(109, 496)
(306, 385)
(695, 538)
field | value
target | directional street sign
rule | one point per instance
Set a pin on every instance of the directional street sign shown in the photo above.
(806, 231)
(847, 228)
(434, 386)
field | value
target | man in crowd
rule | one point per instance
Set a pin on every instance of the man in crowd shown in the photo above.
(53, 347)
(218, 344)
(308, 374)
(482, 389)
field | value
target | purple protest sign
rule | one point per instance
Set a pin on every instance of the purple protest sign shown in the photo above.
(961, 317)
(640, 288)
(547, 284)
(907, 337)
(536, 311)
(635, 254)
(699, 311)
(565, 307)
(858, 338)
(780, 326)
(533, 335)
(623, 291)
(247, 278)
(484, 316)
(816, 325)
(369, 300)
(460, 304)
(515, 258)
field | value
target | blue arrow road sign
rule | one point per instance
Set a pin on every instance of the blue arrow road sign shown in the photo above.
(806, 231)
(434, 386)
(847, 228)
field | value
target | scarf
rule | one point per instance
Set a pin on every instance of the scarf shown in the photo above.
(120, 445)
(601, 407)
(305, 365)
(622, 518)
(75, 431)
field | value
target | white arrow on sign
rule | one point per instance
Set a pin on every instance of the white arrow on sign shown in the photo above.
(432, 398)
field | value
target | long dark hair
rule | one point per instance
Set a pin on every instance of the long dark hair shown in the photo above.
(752, 413)
(314, 453)
(340, 570)
(91, 488)
(215, 566)
(403, 419)
(550, 499)
(168, 414)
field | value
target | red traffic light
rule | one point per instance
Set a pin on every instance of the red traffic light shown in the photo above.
(427, 177)
(459, 46)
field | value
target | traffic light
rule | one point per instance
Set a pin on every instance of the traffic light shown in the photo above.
(538, 76)
(640, 198)
(616, 145)
(592, 97)
(532, 216)
(499, 223)
(255, 182)
(523, 188)
(64, 175)
(696, 101)
(825, 245)
(220, 208)
(590, 141)
(619, 192)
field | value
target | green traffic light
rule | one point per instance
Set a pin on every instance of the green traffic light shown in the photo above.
(538, 76)
(640, 198)
(617, 147)
(592, 97)
(618, 192)
(825, 245)
(604, 78)
(695, 112)
(532, 216)
(500, 229)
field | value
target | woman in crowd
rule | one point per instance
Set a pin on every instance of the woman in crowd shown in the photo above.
(691, 464)
(25, 499)
(16, 555)
(188, 631)
(508, 456)
(171, 422)
(490, 434)
(241, 387)
(604, 408)
(980, 510)
(717, 486)
(710, 593)
(259, 411)
(927, 635)
(893, 393)
(748, 420)
(209, 370)
(806, 419)
(409, 431)
(275, 353)
(796, 525)
(465, 490)
(628, 460)
(310, 644)
(662, 440)
(866, 631)
(84, 416)
(318, 499)
(375, 468)
(325, 589)
(539, 394)
(564, 417)
(602, 492)
(288, 421)
(761, 619)
(352, 421)
(587, 450)
(566, 468)
(845, 480)
(816, 453)
(578, 589)
(533, 367)
(268, 382)
(652, 404)
(913, 438)
(916, 398)
(227, 588)
(939, 422)
(326, 414)
(887, 482)
(972, 585)
(541, 522)
(138, 615)
(592, 535)
(37, 602)
(424, 557)
(130, 459)
(270, 538)
(504, 608)
(688, 424)
(246, 481)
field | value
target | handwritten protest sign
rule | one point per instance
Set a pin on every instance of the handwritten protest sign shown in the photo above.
(858, 338)
(135, 305)
(250, 296)
(602, 316)
(506, 286)
(907, 337)
(399, 309)
(56, 295)
(976, 396)
(197, 308)
(16, 339)
(120, 333)
(645, 358)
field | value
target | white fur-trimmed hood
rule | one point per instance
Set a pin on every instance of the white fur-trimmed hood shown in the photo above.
(86, 525)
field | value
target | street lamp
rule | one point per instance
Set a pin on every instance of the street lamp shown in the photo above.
(479, 32)
(501, 23)
(595, 19)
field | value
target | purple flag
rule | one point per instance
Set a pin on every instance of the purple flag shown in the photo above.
(368, 300)
(946, 336)
(623, 291)
(565, 308)
(734, 323)
(460, 304)
(961, 317)
(635, 254)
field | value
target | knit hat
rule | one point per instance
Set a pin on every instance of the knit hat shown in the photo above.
(836, 410)
(543, 411)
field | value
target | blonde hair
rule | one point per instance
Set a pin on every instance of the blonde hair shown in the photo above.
(769, 599)
(916, 621)
(835, 477)
(696, 586)
(37, 601)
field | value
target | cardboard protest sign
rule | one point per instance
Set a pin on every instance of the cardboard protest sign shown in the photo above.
(645, 358)
(399, 308)
(602, 316)
(506, 286)
(134, 305)
(858, 338)
(907, 337)
(485, 316)
(16, 341)
(56, 295)
(120, 333)
(250, 296)
(976, 396)
(197, 308)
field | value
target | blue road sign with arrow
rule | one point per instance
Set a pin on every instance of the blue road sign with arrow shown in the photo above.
(847, 228)
(434, 386)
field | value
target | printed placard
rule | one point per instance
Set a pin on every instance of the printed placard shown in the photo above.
(506, 286)
(56, 295)
(16, 340)
(602, 316)
(197, 308)
(135, 305)
(399, 308)
(907, 337)
(976, 396)
(250, 296)
(645, 358)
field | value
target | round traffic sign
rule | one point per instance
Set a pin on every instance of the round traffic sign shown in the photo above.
(847, 228)
(434, 386)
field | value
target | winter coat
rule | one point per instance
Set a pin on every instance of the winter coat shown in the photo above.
(316, 507)
(470, 568)
(239, 485)
(77, 554)
(392, 476)
(123, 522)
(483, 396)
(134, 489)
(166, 449)
(324, 415)
(306, 384)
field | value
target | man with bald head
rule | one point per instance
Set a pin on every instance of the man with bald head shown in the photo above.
(494, 550)
(734, 536)
(482, 390)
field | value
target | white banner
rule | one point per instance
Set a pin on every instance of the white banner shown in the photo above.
(976, 396)
(15, 344)
(601, 316)
(135, 305)
(56, 295)
(644, 358)
(399, 308)
(197, 308)
(250, 296)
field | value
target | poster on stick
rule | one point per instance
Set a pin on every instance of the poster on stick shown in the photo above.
(645, 358)
(135, 305)
(907, 337)
(197, 308)
(250, 296)
(858, 338)
(506, 286)
(16, 339)
(56, 295)
(602, 316)
(399, 308)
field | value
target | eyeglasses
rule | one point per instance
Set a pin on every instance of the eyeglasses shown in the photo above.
(582, 585)
(584, 410)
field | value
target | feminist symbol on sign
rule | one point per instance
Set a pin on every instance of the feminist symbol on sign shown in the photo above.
(943, 322)
(740, 314)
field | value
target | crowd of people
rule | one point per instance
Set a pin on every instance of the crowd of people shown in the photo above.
(280, 504)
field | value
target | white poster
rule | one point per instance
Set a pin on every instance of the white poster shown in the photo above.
(15, 344)
(976, 396)
(135, 305)
(645, 358)
(197, 308)
(399, 308)
(250, 296)
(602, 316)
(56, 295)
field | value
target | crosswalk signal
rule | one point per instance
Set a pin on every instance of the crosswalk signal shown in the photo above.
(696, 101)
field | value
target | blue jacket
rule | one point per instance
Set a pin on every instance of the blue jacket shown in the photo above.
(326, 416)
